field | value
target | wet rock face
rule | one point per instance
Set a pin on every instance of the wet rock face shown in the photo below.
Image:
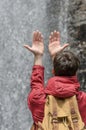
(77, 16)
(81, 33)
(77, 35)
(18, 19)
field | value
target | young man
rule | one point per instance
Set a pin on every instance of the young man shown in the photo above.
(63, 84)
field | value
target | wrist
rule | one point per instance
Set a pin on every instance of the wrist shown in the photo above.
(38, 59)
(38, 56)
(52, 57)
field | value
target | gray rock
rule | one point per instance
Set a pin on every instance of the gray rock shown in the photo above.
(18, 19)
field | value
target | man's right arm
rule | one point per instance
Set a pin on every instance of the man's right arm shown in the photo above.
(36, 97)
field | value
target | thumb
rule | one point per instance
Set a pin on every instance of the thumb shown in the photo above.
(64, 46)
(28, 47)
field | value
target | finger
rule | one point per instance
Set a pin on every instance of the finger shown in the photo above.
(58, 36)
(55, 35)
(51, 36)
(41, 38)
(37, 35)
(54, 39)
(51, 33)
(55, 31)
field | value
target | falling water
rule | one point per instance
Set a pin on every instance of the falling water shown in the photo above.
(63, 20)
(18, 19)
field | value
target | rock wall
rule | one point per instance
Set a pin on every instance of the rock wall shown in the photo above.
(77, 35)
(18, 19)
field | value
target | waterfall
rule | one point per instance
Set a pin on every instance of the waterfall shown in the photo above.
(63, 20)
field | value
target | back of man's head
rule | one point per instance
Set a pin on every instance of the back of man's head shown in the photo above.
(66, 64)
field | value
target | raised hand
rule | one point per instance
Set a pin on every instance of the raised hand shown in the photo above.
(37, 45)
(54, 44)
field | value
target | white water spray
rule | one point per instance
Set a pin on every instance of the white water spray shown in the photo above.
(63, 20)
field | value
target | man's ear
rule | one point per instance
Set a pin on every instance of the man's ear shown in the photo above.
(53, 72)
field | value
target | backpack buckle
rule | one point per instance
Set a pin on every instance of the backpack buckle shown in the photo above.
(74, 119)
(54, 120)
(74, 116)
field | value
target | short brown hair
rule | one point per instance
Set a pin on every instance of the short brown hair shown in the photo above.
(66, 64)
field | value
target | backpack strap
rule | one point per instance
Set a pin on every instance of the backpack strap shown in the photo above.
(74, 115)
(54, 121)
(32, 127)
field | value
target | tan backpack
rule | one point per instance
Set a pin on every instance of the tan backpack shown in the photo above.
(61, 114)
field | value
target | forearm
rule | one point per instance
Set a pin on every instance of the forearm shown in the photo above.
(36, 97)
(38, 59)
(37, 77)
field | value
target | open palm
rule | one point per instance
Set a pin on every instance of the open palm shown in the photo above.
(54, 43)
(37, 45)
